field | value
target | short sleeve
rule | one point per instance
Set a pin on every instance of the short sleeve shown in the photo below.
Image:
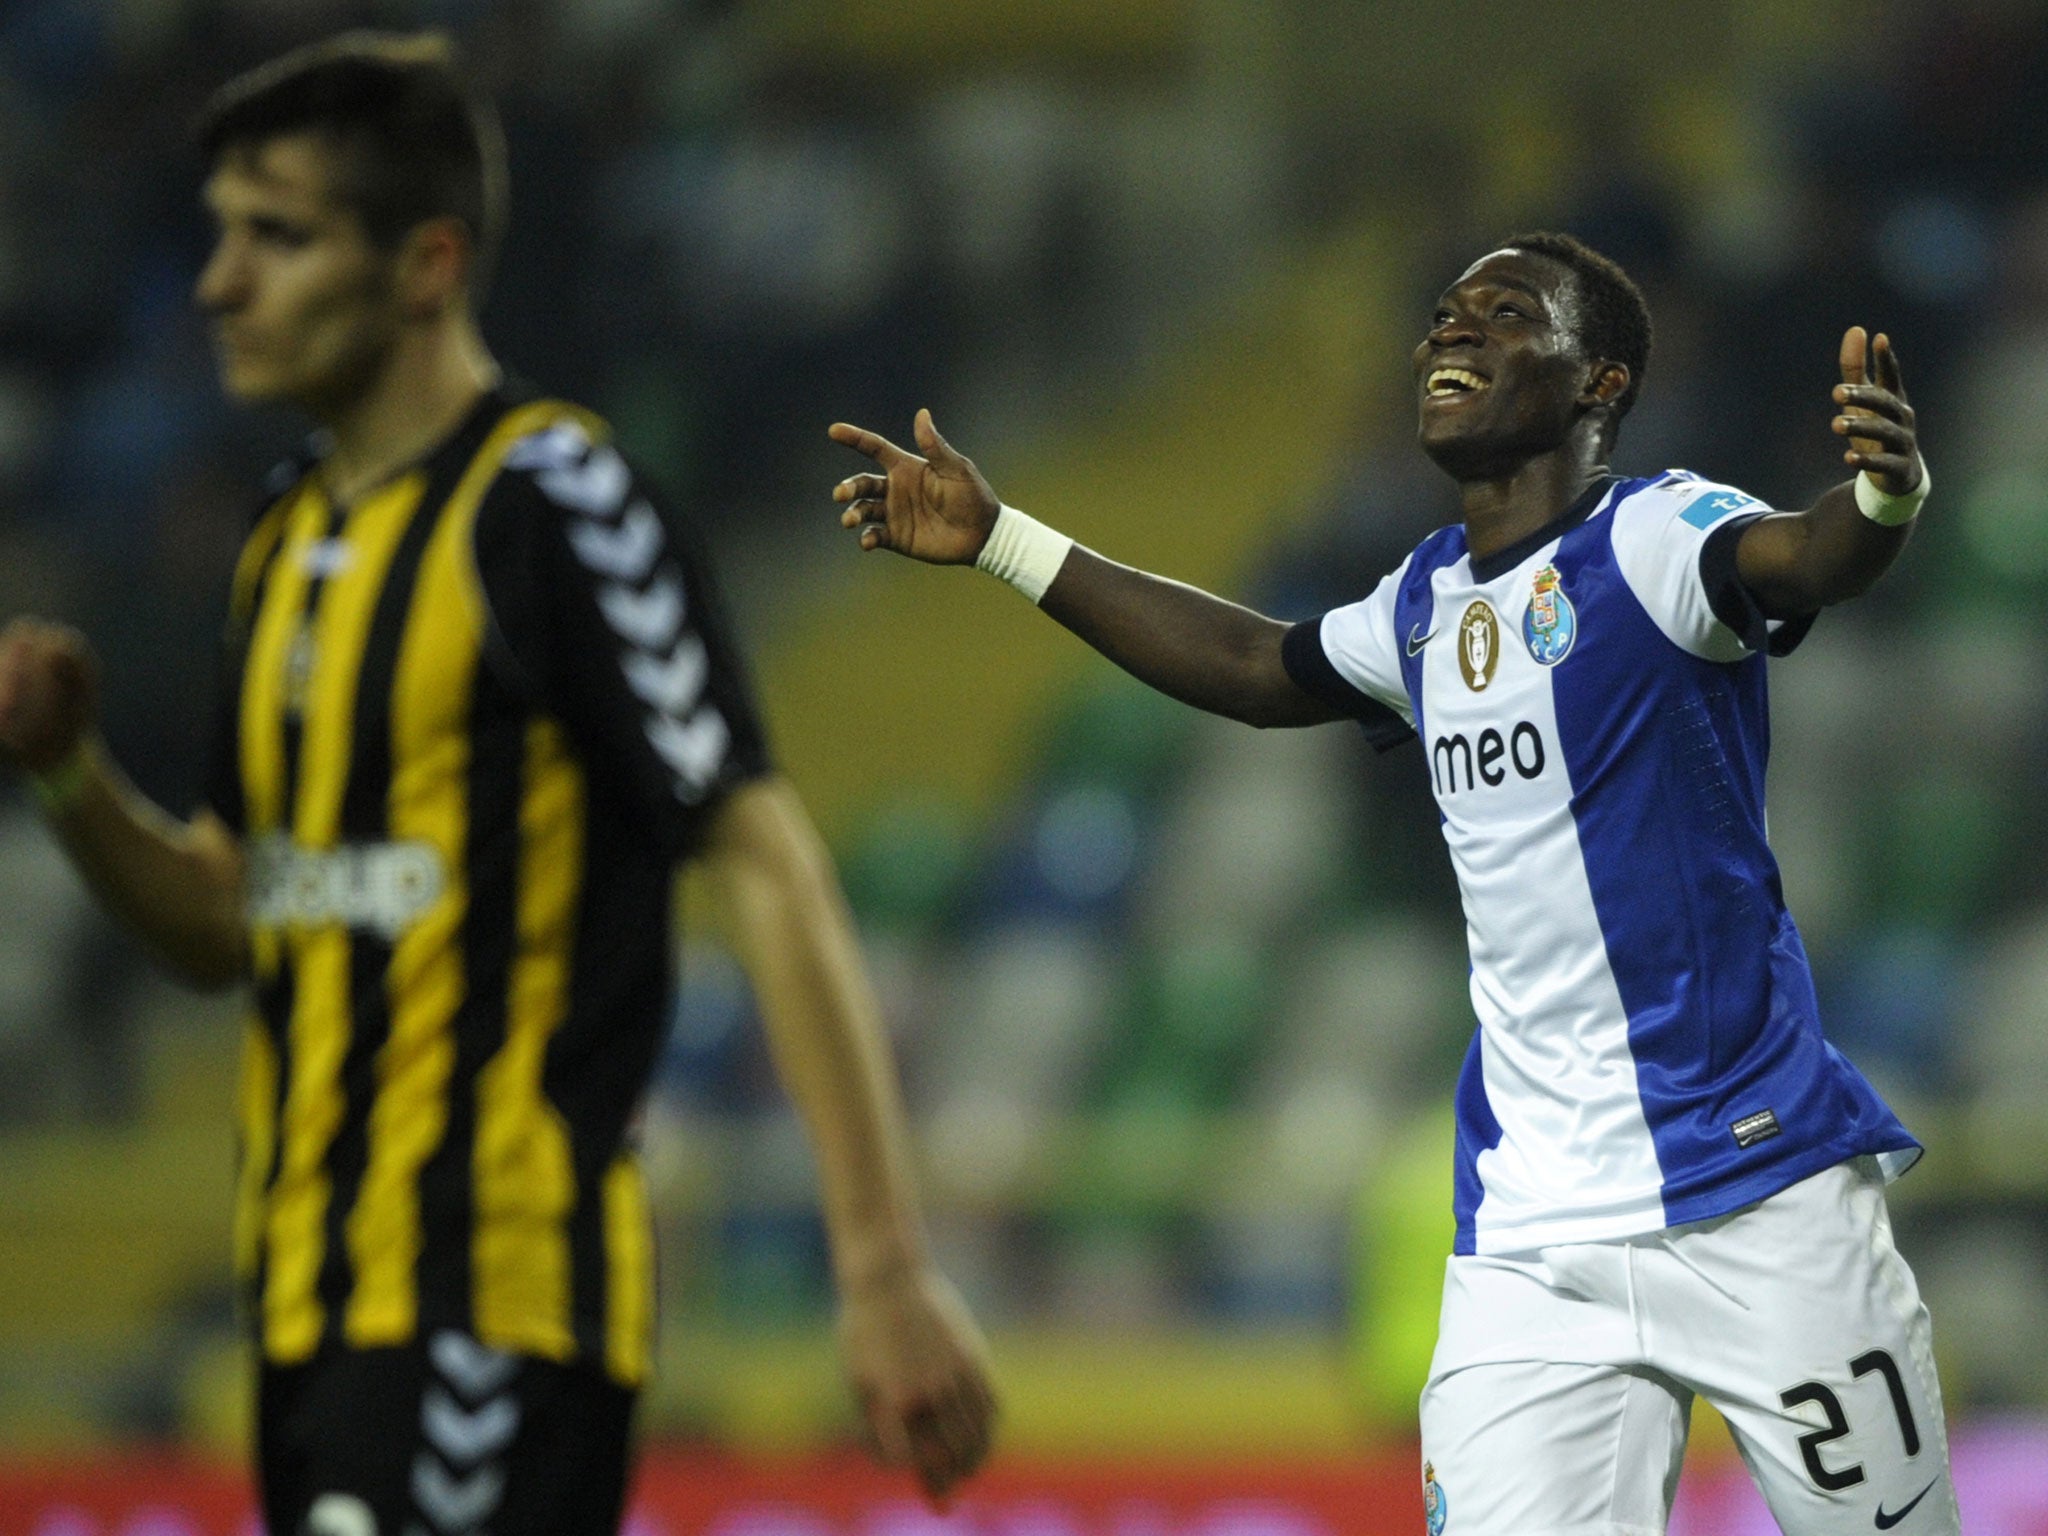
(604, 607)
(1675, 543)
(1350, 659)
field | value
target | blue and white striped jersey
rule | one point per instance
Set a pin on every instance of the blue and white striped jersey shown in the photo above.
(1593, 709)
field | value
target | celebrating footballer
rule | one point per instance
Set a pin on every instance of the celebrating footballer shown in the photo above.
(1668, 1183)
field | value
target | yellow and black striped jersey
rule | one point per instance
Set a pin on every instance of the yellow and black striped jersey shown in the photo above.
(469, 724)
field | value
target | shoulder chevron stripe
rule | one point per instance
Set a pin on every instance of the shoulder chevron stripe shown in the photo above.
(625, 553)
(596, 486)
(674, 685)
(650, 619)
(694, 750)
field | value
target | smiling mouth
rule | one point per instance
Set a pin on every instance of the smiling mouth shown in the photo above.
(1444, 383)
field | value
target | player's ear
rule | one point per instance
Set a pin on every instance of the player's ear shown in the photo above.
(434, 265)
(1605, 383)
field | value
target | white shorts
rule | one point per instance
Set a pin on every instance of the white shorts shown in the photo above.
(1563, 1381)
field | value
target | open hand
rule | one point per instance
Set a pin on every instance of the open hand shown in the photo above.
(49, 693)
(1874, 416)
(937, 508)
(919, 1372)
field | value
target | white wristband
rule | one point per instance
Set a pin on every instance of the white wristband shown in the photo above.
(1890, 510)
(1023, 552)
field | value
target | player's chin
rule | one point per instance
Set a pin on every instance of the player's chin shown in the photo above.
(1448, 434)
(247, 382)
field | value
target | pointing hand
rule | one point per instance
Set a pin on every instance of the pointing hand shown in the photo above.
(937, 508)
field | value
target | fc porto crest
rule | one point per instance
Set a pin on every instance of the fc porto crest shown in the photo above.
(1436, 1509)
(1551, 624)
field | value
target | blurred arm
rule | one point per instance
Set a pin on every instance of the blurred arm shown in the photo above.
(914, 1356)
(178, 885)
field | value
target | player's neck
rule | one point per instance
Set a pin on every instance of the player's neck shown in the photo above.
(1503, 508)
(430, 381)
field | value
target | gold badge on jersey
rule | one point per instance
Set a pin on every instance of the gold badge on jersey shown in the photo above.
(1478, 645)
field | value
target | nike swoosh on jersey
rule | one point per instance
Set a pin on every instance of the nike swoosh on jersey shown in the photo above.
(1417, 642)
(1885, 1522)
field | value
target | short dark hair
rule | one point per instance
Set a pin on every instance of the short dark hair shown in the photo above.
(418, 140)
(1615, 323)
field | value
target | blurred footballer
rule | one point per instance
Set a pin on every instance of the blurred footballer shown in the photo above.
(480, 698)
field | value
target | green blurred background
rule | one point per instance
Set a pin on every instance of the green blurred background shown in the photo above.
(1179, 1004)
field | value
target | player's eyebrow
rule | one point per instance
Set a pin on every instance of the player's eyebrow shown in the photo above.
(1530, 297)
(1498, 289)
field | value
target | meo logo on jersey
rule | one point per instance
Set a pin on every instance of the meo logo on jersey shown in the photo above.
(1478, 645)
(1550, 624)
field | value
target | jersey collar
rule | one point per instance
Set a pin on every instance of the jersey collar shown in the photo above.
(1501, 561)
(439, 459)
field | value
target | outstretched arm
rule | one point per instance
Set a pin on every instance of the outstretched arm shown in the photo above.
(917, 1365)
(1796, 563)
(1198, 648)
(178, 885)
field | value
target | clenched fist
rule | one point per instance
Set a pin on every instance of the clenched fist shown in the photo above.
(49, 694)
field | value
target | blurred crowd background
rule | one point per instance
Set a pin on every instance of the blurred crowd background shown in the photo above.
(1179, 1004)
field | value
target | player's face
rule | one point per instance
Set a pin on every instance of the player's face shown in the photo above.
(303, 303)
(1499, 375)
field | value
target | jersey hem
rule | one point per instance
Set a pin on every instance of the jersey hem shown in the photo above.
(1726, 1199)
(1708, 1205)
(1534, 1236)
